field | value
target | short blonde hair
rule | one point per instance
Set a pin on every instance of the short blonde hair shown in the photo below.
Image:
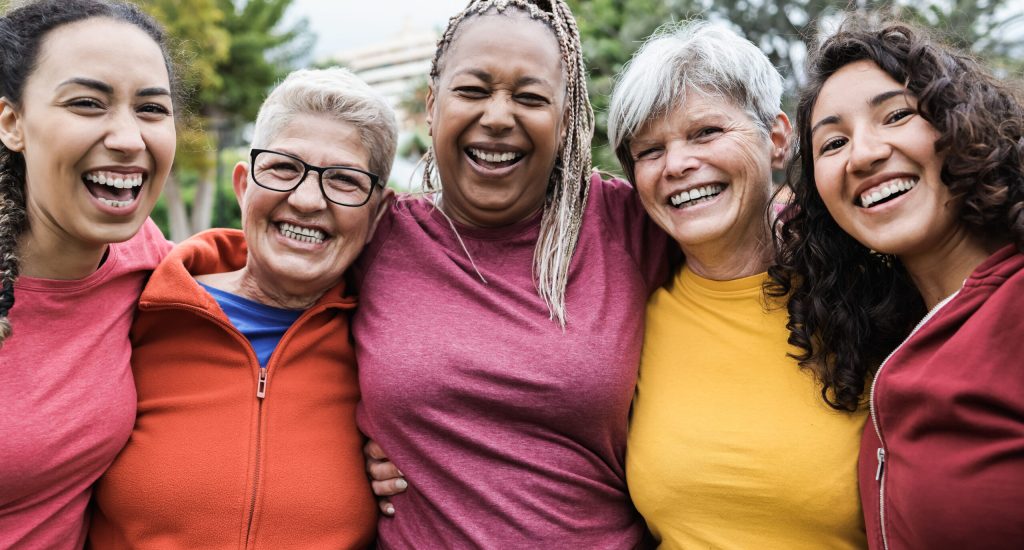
(339, 94)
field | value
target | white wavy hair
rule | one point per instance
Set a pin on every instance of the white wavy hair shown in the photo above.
(692, 55)
(338, 94)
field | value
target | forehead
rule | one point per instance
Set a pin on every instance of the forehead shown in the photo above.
(322, 140)
(486, 42)
(696, 107)
(852, 87)
(100, 48)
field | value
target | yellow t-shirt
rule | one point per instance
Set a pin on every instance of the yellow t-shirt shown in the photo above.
(730, 443)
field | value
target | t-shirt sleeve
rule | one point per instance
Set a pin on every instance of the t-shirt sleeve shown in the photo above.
(626, 219)
(365, 260)
(147, 248)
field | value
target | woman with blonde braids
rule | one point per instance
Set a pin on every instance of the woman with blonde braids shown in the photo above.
(87, 137)
(501, 316)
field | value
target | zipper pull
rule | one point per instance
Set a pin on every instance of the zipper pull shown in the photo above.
(881, 464)
(261, 386)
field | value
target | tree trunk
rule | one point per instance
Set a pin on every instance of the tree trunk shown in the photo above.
(202, 206)
(177, 214)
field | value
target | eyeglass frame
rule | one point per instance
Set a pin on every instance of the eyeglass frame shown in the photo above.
(307, 168)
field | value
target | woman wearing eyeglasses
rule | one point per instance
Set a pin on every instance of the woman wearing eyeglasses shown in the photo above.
(246, 432)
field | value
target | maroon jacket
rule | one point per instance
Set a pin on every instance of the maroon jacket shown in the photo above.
(948, 413)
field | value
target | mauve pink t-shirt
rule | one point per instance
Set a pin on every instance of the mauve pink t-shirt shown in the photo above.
(510, 431)
(67, 398)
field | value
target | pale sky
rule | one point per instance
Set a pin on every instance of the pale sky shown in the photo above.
(343, 24)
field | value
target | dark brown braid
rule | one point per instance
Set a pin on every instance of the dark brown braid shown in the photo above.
(12, 224)
(567, 187)
(22, 32)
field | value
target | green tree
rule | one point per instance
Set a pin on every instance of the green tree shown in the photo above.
(232, 53)
(612, 30)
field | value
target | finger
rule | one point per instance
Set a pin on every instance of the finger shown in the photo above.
(381, 471)
(390, 487)
(385, 507)
(373, 450)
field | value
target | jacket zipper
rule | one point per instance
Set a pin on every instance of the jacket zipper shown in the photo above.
(260, 394)
(880, 472)
(261, 385)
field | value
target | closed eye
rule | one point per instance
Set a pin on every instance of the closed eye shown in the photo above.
(85, 104)
(898, 115)
(707, 132)
(532, 99)
(154, 110)
(647, 153)
(472, 92)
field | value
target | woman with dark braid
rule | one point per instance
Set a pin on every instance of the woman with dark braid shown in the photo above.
(88, 138)
(910, 200)
(501, 316)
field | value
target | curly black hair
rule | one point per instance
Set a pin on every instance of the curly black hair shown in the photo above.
(849, 306)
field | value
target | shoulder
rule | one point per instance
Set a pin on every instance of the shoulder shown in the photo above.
(145, 249)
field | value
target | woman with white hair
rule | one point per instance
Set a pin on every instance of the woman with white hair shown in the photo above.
(246, 432)
(732, 444)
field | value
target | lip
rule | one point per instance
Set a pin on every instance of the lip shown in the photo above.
(486, 172)
(875, 181)
(493, 147)
(668, 197)
(121, 211)
(303, 224)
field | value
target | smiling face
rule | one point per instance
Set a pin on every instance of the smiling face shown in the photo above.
(875, 164)
(299, 244)
(703, 172)
(497, 119)
(97, 134)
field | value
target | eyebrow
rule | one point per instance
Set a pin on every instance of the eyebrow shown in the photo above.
(874, 102)
(105, 88)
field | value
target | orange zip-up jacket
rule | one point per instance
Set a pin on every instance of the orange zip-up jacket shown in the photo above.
(225, 454)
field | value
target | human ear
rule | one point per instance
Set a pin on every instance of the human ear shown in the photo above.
(430, 108)
(240, 181)
(780, 134)
(387, 196)
(10, 126)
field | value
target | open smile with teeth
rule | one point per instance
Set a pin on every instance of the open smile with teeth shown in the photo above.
(114, 189)
(887, 191)
(301, 234)
(696, 195)
(494, 159)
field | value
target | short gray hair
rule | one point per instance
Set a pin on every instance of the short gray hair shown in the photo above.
(693, 55)
(340, 95)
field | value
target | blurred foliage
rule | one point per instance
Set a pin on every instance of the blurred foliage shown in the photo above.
(229, 54)
(612, 30)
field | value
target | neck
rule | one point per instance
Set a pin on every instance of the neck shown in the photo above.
(728, 261)
(49, 257)
(243, 283)
(942, 271)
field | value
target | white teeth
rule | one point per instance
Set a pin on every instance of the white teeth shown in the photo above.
(119, 181)
(302, 234)
(115, 204)
(885, 190)
(706, 191)
(493, 157)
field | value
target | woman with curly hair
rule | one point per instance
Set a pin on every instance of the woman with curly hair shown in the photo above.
(910, 199)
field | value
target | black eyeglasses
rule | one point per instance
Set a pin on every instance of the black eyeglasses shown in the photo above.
(282, 172)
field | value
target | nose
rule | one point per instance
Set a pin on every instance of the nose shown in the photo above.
(307, 197)
(498, 114)
(867, 150)
(125, 133)
(679, 159)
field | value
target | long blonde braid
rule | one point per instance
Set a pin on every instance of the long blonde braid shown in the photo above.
(568, 185)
